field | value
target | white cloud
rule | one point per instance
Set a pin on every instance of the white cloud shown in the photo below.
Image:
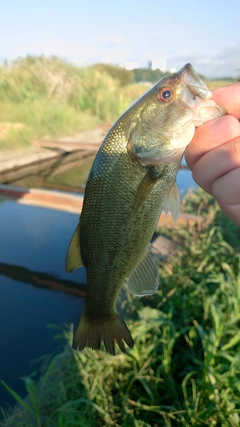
(225, 63)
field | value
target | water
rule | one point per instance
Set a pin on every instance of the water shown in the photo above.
(32, 254)
(34, 288)
(185, 181)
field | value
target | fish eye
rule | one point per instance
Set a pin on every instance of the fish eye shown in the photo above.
(165, 94)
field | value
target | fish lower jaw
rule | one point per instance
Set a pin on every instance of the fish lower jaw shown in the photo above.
(206, 111)
(170, 156)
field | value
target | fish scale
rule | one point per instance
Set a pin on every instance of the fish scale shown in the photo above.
(132, 179)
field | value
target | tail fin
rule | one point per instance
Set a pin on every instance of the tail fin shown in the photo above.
(91, 332)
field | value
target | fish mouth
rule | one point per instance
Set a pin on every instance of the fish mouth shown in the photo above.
(197, 96)
(194, 83)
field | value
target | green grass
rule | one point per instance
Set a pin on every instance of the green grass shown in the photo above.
(50, 98)
(42, 119)
(214, 84)
(184, 369)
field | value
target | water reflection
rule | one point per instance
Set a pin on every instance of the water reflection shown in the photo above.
(42, 280)
(32, 258)
(69, 173)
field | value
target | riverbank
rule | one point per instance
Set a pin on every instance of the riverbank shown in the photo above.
(10, 160)
(71, 203)
(45, 149)
(44, 153)
(17, 163)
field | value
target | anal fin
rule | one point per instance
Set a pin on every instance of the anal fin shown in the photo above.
(73, 257)
(144, 279)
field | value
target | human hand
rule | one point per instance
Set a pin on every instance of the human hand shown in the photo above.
(213, 155)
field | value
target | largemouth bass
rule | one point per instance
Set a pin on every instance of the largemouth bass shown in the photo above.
(131, 181)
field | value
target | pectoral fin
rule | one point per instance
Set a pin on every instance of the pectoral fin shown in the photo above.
(172, 202)
(73, 257)
(144, 279)
(151, 177)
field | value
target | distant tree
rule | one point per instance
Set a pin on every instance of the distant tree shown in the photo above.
(148, 75)
(238, 76)
(124, 76)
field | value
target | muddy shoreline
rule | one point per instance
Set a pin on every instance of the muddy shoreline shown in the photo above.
(45, 151)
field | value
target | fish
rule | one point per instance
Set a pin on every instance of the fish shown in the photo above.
(132, 179)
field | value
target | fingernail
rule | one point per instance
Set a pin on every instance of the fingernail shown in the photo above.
(218, 129)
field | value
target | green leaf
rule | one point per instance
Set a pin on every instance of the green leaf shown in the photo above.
(18, 398)
(233, 341)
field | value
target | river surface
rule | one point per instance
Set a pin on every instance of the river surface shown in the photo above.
(35, 291)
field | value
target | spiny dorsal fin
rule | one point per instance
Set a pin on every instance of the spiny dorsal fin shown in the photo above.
(172, 202)
(144, 279)
(73, 257)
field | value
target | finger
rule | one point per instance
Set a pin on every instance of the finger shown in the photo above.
(229, 97)
(210, 135)
(216, 163)
(229, 201)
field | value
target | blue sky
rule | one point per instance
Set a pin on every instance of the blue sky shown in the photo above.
(205, 32)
